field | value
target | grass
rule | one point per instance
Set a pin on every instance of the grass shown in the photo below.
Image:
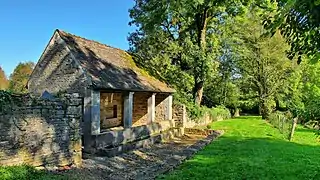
(249, 149)
(253, 149)
(24, 172)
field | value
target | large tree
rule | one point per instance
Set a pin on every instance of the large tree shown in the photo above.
(262, 61)
(180, 38)
(3, 80)
(20, 76)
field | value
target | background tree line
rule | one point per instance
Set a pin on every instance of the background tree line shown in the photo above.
(17, 81)
(251, 56)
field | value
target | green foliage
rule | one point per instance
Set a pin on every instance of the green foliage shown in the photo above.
(196, 112)
(282, 121)
(9, 100)
(222, 49)
(3, 80)
(25, 172)
(6, 100)
(303, 97)
(299, 22)
(20, 77)
(180, 39)
(219, 113)
(261, 61)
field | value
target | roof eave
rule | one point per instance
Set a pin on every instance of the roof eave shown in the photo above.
(134, 90)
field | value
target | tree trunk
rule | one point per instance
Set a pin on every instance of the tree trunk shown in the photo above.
(263, 108)
(201, 20)
(198, 92)
(236, 112)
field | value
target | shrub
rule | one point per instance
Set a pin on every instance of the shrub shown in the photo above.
(219, 112)
(281, 121)
(196, 112)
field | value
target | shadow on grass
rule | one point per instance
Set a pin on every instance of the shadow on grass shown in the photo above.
(252, 158)
(251, 117)
(306, 130)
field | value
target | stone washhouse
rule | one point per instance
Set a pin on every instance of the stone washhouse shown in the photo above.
(124, 107)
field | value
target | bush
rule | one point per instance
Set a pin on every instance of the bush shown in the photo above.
(219, 112)
(282, 121)
(196, 112)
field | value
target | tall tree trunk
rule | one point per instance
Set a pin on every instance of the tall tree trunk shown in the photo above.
(198, 92)
(201, 21)
(236, 112)
(264, 109)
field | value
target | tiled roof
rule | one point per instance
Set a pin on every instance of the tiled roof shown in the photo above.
(111, 68)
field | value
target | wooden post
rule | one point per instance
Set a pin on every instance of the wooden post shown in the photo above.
(127, 109)
(294, 124)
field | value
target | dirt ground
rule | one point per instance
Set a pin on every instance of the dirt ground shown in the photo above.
(146, 163)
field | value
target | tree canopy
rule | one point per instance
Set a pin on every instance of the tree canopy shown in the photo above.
(299, 22)
(20, 77)
(243, 55)
(182, 36)
(3, 80)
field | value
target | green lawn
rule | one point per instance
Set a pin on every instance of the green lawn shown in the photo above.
(24, 172)
(253, 149)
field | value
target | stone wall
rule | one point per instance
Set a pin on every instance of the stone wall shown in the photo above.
(179, 115)
(108, 103)
(182, 120)
(161, 107)
(140, 107)
(57, 71)
(42, 132)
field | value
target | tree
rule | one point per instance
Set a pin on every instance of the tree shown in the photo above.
(262, 61)
(3, 80)
(180, 36)
(20, 76)
(299, 23)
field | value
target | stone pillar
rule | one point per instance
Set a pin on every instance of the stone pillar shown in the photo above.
(168, 115)
(127, 109)
(95, 112)
(152, 108)
(184, 116)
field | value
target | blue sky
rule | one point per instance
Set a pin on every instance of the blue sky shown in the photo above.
(26, 26)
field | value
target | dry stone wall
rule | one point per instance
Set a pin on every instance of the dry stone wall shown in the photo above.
(182, 120)
(161, 107)
(42, 132)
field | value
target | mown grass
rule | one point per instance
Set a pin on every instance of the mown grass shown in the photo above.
(24, 172)
(253, 149)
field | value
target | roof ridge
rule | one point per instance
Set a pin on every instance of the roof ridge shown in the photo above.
(90, 40)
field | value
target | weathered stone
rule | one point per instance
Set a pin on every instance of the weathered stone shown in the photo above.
(28, 136)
